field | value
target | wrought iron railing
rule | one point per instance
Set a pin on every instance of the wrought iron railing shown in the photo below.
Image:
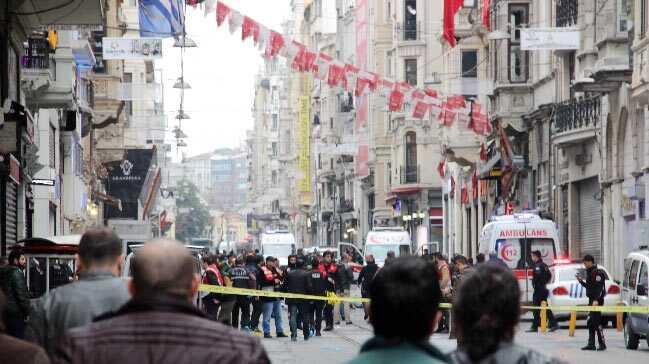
(409, 174)
(576, 114)
(567, 12)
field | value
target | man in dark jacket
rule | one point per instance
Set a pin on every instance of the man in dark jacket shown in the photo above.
(541, 276)
(253, 266)
(15, 350)
(14, 286)
(365, 278)
(298, 281)
(212, 276)
(242, 278)
(319, 286)
(343, 280)
(98, 290)
(160, 325)
(595, 285)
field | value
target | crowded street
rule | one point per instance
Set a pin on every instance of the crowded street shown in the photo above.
(324, 181)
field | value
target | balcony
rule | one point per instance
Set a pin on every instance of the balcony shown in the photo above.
(409, 174)
(576, 121)
(409, 32)
(345, 206)
(567, 13)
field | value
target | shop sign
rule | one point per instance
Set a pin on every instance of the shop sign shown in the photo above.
(132, 48)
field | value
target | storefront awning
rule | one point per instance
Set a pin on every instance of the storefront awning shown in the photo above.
(63, 14)
(405, 190)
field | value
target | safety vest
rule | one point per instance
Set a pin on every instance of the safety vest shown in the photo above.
(216, 272)
(268, 274)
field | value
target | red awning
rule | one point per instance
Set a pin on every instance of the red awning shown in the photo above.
(405, 190)
(436, 213)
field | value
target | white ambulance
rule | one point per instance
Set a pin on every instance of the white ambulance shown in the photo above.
(382, 240)
(513, 238)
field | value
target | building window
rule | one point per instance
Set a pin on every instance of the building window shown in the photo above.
(52, 138)
(410, 174)
(623, 16)
(14, 75)
(273, 122)
(388, 63)
(470, 63)
(518, 58)
(567, 12)
(643, 18)
(410, 20)
(274, 148)
(274, 178)
(410, 66)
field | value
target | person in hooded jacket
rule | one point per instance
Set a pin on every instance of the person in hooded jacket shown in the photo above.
(298, 281)
(365, 278)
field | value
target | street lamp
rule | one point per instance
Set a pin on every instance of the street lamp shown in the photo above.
(184, 41)
(181, 84)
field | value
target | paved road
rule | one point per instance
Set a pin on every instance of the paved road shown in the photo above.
(343, 343)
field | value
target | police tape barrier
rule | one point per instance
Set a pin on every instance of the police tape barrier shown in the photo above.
(333, 298)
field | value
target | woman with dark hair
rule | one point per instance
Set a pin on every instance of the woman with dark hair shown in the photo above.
(486, 310)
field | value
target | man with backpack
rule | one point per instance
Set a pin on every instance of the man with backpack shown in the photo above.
(541, 276)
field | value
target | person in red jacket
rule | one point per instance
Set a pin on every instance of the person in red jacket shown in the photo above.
(329, 270)
(212, 276)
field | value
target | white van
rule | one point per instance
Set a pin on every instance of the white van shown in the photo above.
(278, 245)
(635, 293)
(380, 241)
(513, 238)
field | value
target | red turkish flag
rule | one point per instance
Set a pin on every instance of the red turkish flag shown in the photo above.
(396, 99)
(275, 44)
(446, 116)
(248, 28)
(464, 195)
(474, 185)
(441, 168)
(486, 12)
(451, 7)
(430, 92)
(222, 12)
(456, 102)
(483, 153)
(336, 73)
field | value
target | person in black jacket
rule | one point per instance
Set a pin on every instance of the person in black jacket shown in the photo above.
(343, 280)
(298, 281)
(595, 291)
(365, 278)
(319, 286)
(14, 286)
(253, 263)
(541, 276)
(242, 278)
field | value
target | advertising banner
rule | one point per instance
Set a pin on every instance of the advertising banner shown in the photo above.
(132, 48)
(304, 162)
(536, 39)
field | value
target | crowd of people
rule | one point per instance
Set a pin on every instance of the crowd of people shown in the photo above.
(153, 317)
(307, 274)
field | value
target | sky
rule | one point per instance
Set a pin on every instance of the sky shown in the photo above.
(221, 72)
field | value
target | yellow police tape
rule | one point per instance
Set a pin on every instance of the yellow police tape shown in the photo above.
(333, 298)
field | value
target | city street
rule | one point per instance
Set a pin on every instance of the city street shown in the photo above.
(345, 341)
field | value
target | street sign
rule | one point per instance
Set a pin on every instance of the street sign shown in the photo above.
(43, 182)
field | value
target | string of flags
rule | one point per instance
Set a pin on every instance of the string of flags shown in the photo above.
(398, 95)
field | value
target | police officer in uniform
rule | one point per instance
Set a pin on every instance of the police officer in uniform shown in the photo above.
(595, 291)
(541, 276)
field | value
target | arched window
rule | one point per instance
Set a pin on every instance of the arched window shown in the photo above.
(411, 157)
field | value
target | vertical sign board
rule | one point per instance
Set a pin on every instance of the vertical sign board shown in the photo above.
(304, 162)
(362, 108)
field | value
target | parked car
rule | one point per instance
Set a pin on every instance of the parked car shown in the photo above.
(565, 290)
(635, 286)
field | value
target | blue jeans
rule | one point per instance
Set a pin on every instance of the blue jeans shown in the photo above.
(272, 308)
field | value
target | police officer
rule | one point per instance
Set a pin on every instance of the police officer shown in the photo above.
(541, 276)
(320, 285)
(595, 291)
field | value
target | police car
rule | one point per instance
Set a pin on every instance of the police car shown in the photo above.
(565, 290)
